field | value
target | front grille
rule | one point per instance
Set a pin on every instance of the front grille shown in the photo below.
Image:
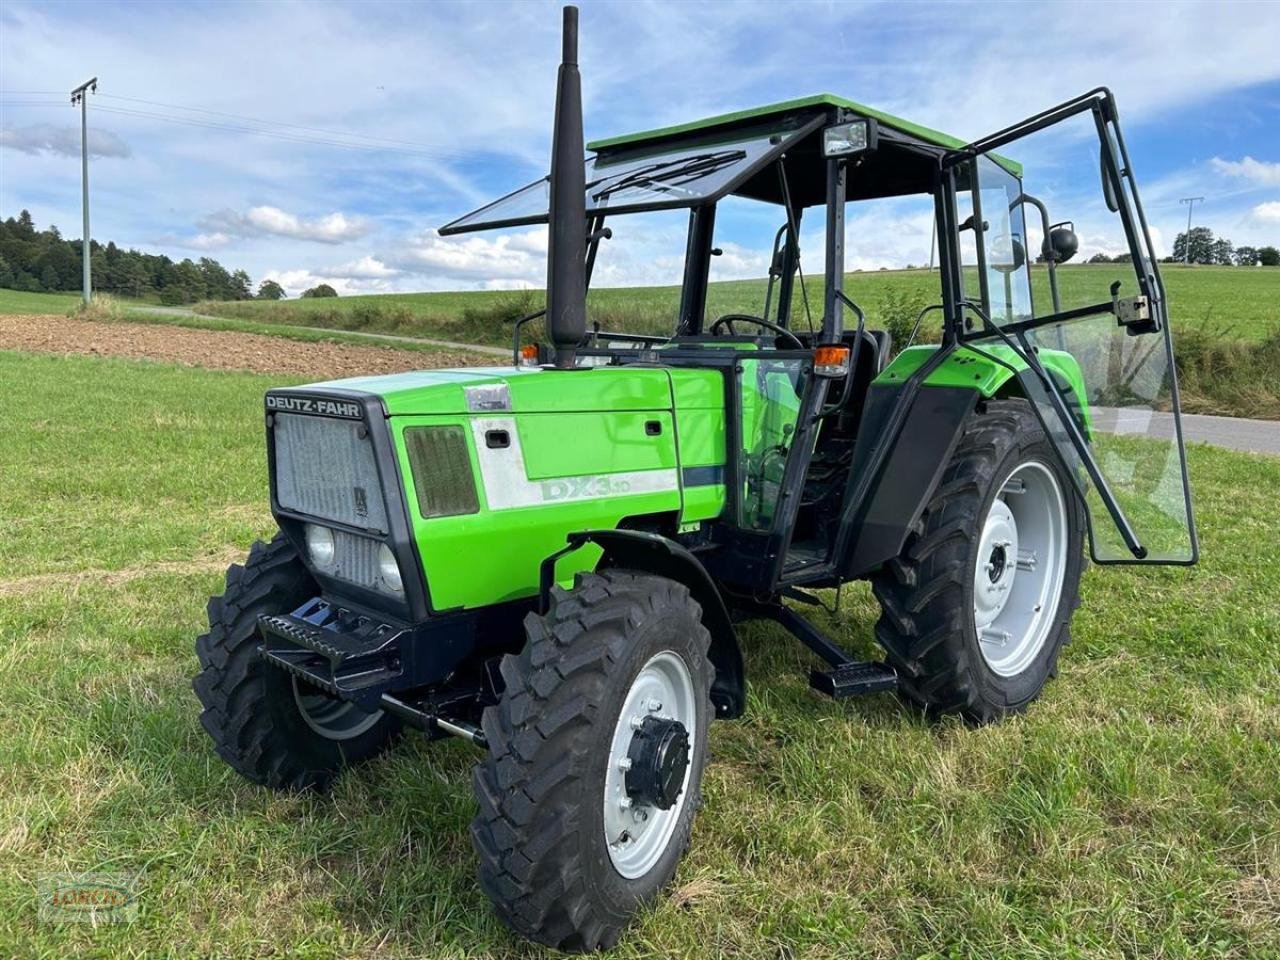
(326, 469)
(355, 560)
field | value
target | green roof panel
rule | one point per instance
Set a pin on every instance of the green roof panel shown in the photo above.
(926, 134)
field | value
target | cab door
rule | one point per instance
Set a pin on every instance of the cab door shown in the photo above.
(1060, 280)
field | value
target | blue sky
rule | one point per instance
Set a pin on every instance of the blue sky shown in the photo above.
(427, 110)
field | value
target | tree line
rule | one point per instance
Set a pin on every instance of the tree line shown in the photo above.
(41, 261)
(1199, 245)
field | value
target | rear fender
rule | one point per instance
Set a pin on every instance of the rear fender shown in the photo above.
(663, 557)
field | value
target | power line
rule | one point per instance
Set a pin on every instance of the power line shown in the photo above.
(353, 141)
(274, 135)
(274, 123)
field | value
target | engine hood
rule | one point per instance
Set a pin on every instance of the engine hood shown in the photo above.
(515, 389)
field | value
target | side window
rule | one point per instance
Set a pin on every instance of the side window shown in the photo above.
(994, 247)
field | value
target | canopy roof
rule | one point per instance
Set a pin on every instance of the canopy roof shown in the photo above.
(764, 153)
(742, 117)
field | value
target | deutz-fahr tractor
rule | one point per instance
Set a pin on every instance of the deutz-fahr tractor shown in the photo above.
(552, 559)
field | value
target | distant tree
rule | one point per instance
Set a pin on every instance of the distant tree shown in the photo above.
(1099, 258)
(241, 286)
(49, 278)
(216, 280)
(1269, 256)
(26, 226)
(1222, 252)
(1246, 256)
(1200, 241)
(26, 282)
(319, 290)
(270, 290)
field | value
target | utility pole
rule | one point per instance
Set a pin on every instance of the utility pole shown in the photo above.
(1186, 247)
(78, 95)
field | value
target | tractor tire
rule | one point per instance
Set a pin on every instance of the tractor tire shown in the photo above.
(554, 834)
(272, 729)
(976, 608)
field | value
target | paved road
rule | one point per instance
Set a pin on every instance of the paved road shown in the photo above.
(385, 337)
(1252, 436)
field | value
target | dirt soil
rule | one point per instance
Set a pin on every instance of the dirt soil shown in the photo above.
(216, 349)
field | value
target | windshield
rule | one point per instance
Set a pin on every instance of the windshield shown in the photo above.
(672, 175)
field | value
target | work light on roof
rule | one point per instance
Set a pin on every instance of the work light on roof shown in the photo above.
(848, 139)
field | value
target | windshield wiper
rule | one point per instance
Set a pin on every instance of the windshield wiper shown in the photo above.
(671, 173)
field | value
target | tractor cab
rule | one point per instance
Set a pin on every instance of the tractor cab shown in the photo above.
(820, 405)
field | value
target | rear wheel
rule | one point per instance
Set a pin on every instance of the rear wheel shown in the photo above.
(269, 726)
(976, 608)
(596, 754)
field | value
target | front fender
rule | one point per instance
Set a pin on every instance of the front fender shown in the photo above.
(661, 556)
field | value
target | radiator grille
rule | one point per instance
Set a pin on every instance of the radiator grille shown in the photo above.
(355, 560)
(325, 469)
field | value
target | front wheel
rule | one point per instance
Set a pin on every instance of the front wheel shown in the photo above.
(597, 749)
(270, 727)
(976, 608)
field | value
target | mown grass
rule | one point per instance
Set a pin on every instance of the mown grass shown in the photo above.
(1133, 812)
(17, 301)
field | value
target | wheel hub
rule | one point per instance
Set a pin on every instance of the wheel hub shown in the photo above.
(996, 555)
(1019, 568)
(659, 755)
(650, 762)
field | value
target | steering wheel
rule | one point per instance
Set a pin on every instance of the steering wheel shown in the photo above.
(729, 319)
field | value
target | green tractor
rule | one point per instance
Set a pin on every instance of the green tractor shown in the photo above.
(551, 559)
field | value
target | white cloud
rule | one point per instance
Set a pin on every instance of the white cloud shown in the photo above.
(208, 241)
(1268, 212)
(366, 268)
(505, 257)
(62, 141)
(1257, 171)
(272, 221)
(295, 281)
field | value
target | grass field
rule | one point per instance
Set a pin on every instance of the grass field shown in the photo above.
(1231, 302)
(16, 301)
(1133, 812)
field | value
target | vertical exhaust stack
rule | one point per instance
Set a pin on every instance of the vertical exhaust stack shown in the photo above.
(567, 243)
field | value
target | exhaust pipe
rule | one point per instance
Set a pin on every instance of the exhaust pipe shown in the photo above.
(567, 241)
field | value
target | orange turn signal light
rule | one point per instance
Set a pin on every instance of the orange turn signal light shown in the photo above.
(529, 355)
(831, 361)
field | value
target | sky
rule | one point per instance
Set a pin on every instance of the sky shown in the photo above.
(313, 142)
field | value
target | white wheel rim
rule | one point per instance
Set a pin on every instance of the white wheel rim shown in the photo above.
(1020, 567)
(636, 834)
(330, 717)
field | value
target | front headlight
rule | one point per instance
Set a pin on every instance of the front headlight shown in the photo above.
(320, 546)
(389, 569)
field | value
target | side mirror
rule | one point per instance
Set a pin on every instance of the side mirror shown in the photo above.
(1108, 191)
(1017, 254)
(1062, 243)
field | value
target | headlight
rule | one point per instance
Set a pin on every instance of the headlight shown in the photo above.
(320, 545)
(389, 569)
